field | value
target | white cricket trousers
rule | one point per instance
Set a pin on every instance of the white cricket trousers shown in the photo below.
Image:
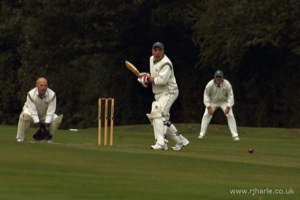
(230, 119)
(166, 100)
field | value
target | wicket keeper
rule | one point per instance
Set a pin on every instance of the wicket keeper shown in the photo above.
(40, 107)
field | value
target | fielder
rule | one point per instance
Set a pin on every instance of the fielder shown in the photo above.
(165, 91)
(218, 93)
(40, 108)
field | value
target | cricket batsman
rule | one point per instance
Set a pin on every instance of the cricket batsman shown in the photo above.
(165, 90)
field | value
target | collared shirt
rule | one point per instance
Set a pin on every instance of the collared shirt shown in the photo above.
(41, 108)
(215, 94)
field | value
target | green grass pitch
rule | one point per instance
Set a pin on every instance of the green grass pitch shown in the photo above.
(216, 167)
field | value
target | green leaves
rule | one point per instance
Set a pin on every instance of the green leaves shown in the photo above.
(81, 45)
(226, 29)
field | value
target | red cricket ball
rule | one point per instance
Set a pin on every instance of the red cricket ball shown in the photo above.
(251, 150)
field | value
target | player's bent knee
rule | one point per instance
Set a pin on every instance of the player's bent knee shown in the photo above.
(167, 123)
(55, 124)
(156, 110)
(25, 117)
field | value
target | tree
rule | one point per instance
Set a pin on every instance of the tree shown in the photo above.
(257, 43)
(10, 28)
(225, 29)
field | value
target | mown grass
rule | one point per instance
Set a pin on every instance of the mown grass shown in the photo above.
(75, 167)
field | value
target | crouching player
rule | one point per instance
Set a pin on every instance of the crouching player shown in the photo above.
(40, 107)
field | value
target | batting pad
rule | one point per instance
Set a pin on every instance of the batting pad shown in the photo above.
(55, 123)
(23, 126)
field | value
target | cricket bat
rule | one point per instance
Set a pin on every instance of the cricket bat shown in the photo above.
(132, 68)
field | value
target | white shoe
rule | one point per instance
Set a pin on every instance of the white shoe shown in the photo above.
(177, 147)
(19, 140)
(200, 136)
(165, 146)
(185, 142)
(49, 141)
(236, 138)
(157, 147)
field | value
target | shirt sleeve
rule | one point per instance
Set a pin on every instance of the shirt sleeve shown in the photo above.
(230, 99)
(51, 109)
(206, 96)
(32, 108)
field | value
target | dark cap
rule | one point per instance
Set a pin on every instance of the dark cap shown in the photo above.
(219, 73)
(158, 44)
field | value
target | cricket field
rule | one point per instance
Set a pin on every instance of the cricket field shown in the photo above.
(75, 167)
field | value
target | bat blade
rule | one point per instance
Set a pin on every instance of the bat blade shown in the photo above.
(132, 68)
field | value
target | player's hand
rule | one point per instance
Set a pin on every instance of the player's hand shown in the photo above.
(210, 111)
(39, 127)
(145, 74)
(144, 79)
(46, 129)
(38, 135)
(226, 111)
(39, 131)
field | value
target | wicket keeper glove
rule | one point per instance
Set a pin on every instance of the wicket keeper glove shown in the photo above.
(39, 132)
(47, 134)
(47, 129)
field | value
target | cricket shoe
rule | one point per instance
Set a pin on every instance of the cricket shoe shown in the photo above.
(177, 147)
(200, 136)
(165, 146)
(160, 147)
(19, 140)
(184, 141)
(236, 138)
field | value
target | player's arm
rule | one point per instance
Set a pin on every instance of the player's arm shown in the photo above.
(163, 76)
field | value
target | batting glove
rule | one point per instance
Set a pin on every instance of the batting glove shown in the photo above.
(145, 74)
(143, 80)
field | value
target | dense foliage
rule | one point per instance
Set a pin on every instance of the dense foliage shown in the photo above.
(80, 47)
